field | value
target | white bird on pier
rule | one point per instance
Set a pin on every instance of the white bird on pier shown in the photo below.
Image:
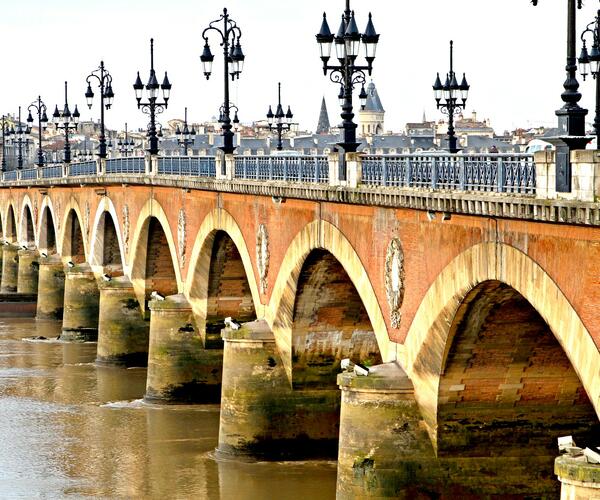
(229, 323)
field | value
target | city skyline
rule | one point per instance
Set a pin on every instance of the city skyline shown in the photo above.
(514, 82)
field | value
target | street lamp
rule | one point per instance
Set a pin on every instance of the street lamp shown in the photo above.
(185, 137)
(152, 106)
(447, 98)
(20, 139)
(589, 64)
(64, 120)
(347, 73)
(40, 108)
(233, 58)
(5, 134)
(106, 99)
(125, 147)
(280, 121)
(85, 154)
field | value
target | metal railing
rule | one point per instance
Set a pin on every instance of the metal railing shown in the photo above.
(10, 175)
(503, 173)
(282, 168)
(193, 166)
(51, 171)
(83, 168)
(125, 166)
(28, 174)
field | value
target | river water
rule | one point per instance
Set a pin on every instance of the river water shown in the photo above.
(71, 429)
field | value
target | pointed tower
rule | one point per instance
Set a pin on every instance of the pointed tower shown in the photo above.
(372, 117)
(323, 126)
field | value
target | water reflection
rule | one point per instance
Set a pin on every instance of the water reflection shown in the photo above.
(71, 428)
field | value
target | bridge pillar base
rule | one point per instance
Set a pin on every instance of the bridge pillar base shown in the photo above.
(180, 368)
(122, 331)
(81, 305)
(580, 480)
(51, 288)
(384, 451)
(28, 271)
(261, 416)
(10, 269)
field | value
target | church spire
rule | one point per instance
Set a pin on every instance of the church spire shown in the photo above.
(323, 127)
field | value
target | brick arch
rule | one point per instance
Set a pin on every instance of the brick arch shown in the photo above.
(27, 223)
(151, 211)
(330, 323)
(323, 235)
(47, 238)
(197, 283)
(427, 343)
(9, 224)
(107, 248)
(67, 228)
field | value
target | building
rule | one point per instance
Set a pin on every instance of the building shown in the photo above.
(371, 118)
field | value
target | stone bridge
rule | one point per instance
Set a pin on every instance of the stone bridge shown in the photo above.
(476, 309)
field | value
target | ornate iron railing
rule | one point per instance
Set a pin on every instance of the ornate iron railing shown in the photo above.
(503, 173)
(282, 168)
(125, 166)
(82, 168)
(51, 171)
(10, 175)
(195, 166)
(28, 174)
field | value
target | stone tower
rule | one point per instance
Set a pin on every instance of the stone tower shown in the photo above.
(323, 126)
(372, 117)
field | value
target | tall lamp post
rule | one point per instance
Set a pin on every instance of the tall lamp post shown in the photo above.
(20, 139)
(185, 137)
(447, 98)
(347, 73)
(233, 58)
(589, 63)
(5, 133)
(125, 147)
(64, 120)
(280, 121)
(152, 106)
(40, 109)
(106, 99)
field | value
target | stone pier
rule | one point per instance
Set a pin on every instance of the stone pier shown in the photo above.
(580, 479)
(51, 288)
(81, 305)
(28, 271)
(262, 417)
(384, 450)
(180, 368)
(122, 330)
(10, 268)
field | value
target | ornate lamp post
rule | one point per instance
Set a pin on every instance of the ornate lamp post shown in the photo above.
(347, 73)
(447, 98)
(5, 134)
(589, 63)
(40, 108)
(20, 139)
(571, 117)
(106, 99)
(152, 106)
(125, 147)
(233, 58)
(66, 121)
(280, 121)
(185, 137)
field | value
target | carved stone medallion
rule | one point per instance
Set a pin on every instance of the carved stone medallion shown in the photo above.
(181, 223)
(262, 256)
(126, 228)
(394, 280)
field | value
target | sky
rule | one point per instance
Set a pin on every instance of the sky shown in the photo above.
(513, 55)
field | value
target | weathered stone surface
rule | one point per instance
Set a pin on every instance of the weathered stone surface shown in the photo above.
(28, 271)
(81, 305)
(180, 368)
(261, 416)
(579, 480)
(51, 288)
(10, 268)
(123, 332)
